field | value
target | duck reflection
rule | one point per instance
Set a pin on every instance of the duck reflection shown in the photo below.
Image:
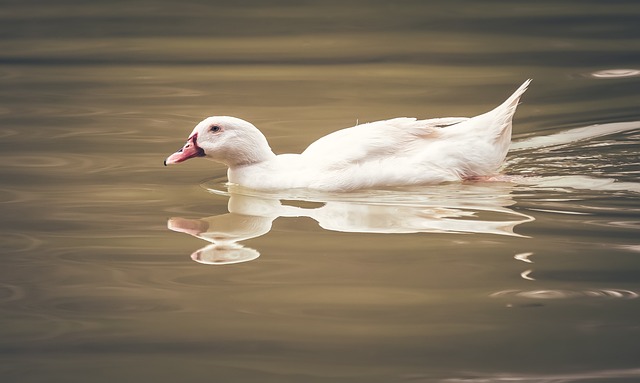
(223, 231)
(456, 209)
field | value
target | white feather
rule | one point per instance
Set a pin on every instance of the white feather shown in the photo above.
(396, 152)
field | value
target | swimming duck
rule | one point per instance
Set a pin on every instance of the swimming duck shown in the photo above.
(397, 152)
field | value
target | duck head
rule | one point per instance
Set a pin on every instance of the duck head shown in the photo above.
(229, 140)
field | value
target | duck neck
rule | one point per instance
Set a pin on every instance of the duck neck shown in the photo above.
(252, 149)
(252, 156)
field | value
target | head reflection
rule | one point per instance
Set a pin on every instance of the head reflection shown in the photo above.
(224, 232)
(224, 254)
(455, 209)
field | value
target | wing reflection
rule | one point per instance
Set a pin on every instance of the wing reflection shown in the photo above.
(470, 208)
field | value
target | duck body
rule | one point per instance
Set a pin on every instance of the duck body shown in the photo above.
(396, 152)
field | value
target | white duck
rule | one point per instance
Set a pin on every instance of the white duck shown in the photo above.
(397, 152)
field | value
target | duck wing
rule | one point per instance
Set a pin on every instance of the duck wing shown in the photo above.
(376, 140)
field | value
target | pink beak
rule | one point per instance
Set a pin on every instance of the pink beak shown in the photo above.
(189, 150)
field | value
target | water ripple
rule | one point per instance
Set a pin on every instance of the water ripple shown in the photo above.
(117, 304)
(40, 161)
(73, 164)
(622, 375)
(616, 73)
(63, 111)
(9, 293)
(573, 136)
(10, 196)
(335, 302)
(6, 132)
(551, 294)
(18, 242)
(38, 327)
(618, 224)
(147, 92)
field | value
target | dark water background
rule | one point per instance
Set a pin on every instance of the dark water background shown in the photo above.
(535, 281)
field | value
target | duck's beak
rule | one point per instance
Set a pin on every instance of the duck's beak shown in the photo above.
(189, 150)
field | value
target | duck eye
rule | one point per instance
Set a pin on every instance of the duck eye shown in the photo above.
(215, 128)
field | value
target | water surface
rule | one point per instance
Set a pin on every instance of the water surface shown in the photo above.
(115, 268)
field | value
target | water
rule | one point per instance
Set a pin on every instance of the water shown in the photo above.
(115, 268)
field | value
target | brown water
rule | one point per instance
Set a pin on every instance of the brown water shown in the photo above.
(531, 281)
